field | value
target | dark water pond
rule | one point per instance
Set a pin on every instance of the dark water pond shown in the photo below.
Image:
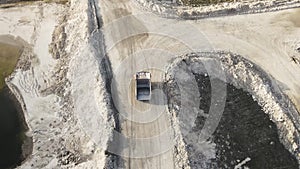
(11, 130)
(245, 131)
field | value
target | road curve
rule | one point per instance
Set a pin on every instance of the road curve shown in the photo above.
(137, 41)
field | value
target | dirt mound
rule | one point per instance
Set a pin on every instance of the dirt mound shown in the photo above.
(196, 10)
(242, 113)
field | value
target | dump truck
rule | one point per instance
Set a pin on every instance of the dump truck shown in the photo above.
(143, 85)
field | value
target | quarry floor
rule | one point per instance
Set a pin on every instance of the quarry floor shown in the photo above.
(65, 101)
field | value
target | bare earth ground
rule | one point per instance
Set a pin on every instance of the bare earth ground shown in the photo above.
(269, 41)
(66, 103)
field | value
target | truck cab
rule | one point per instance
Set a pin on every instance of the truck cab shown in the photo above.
(143, 86)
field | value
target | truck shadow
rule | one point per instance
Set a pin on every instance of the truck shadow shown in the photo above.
(158, 94)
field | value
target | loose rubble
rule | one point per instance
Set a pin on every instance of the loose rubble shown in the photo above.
(242, 74)
(171, 9)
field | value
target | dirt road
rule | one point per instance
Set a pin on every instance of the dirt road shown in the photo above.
(134, 45)
(143, 130)
(136, 41)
